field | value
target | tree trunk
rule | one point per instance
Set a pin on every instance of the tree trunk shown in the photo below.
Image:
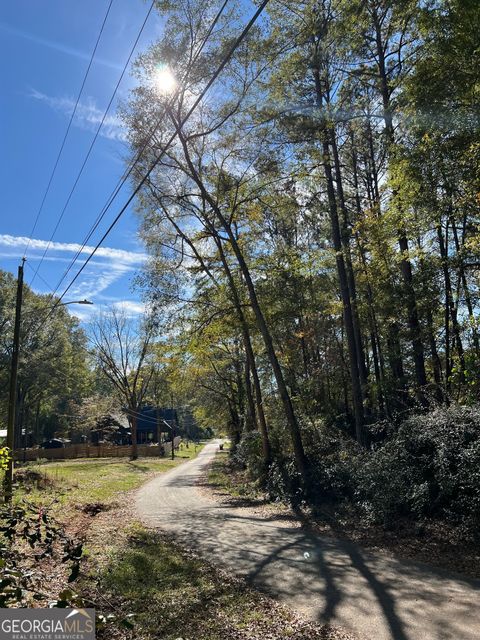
(466, 289)
(357, 395)
(345, 239)
(406, 267)
(133, 427)
(266, 448)
(450, 307)
(250, 419)
(292, 424)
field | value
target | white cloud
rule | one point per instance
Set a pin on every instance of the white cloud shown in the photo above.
(96, 280)
(128, 257)
(87, 116)
(58, 46)
(108, 266)
(130, 307)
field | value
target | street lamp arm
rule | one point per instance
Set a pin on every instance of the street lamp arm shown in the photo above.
(85, 301)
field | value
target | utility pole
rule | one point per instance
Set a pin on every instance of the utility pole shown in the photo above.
(173, 429)
(159, 432)
(12, 399)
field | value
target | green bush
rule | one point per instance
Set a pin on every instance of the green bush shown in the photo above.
(429, 468)
(283, 482)
(248, 454)
(332, 457)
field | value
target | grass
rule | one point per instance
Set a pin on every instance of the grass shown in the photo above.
(133, 574)
(172, 594)
(89, 480)
(223, 475)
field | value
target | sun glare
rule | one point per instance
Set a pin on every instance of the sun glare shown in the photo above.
(164, 80)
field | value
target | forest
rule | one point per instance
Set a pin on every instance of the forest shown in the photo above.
(314, 244)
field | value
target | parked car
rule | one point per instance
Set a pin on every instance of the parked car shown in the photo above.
(54, 443)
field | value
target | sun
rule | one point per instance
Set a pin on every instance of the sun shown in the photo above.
(164, 80)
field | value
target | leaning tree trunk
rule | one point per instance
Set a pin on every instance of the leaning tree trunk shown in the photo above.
(266, 448)
(292, 424)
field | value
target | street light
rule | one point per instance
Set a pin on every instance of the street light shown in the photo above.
(12, 400)
(85, 301)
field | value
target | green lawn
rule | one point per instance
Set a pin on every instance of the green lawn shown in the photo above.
(93, 479)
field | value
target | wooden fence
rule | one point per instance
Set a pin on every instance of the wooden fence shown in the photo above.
(93, 451)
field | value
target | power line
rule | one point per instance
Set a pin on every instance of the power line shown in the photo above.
(135, 160)
(67, 131)
(126, 174)
(181, 124)
(42, 279)
(62, 213)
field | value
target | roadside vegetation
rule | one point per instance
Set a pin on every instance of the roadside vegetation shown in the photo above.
(328, 309)
(140, 582)
(311, 282)
(414, 497)
(44, 532)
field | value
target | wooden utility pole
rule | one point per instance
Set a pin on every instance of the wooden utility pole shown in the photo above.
(12, 399)
(173, 429)
(159, 432)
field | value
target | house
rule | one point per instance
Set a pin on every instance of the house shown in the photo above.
(112, 428)
(155, 420)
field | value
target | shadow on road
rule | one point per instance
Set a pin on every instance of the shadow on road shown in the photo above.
(332, 580)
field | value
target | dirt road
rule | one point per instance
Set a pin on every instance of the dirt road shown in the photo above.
(373, 595)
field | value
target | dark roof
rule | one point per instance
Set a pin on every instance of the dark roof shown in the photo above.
(111, 422)
(147, 421)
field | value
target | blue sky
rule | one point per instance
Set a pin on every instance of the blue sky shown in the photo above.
(45, 46)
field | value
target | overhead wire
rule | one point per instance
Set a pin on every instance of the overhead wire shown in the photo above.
(92, 144)
(60, 151)
(138, 155)
(182, 122)
(33, 270)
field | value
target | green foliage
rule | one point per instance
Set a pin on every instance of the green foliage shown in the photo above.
(27, 524)
(4, 457)
(248, 453)
(53, 365)
(430, 467)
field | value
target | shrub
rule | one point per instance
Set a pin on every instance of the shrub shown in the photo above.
(429, 468)
(332, 455)
(283, 481)
(248, 453)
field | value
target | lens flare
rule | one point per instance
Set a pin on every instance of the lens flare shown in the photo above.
(164, 80)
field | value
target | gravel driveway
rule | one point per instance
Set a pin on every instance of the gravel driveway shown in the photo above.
(375, 596)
